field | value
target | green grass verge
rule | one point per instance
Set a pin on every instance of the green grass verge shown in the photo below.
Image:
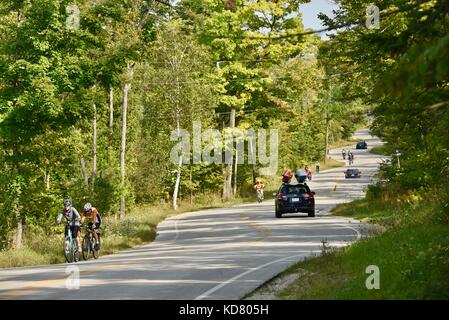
(330, 163)
(412, 261)
(412, 254)
(381, 150)
(344, 143)
(137, 228)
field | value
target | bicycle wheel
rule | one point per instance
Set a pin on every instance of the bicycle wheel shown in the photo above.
(68, 252)
(95, 247)
(86, 247)
(96, 253)
(76, 253)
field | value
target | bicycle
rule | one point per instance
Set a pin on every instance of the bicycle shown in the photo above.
(70, 247)
(89, 244)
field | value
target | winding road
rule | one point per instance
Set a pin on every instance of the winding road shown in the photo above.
(211, 254)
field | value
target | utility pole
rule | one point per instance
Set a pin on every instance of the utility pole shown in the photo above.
(326, 138)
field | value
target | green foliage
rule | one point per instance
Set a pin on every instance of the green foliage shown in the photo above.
(402, 71)
(195, 62)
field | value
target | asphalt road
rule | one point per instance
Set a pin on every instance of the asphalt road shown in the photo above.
(211, 254)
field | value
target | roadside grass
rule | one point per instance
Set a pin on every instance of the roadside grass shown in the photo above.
(412, 261)
(343, 143)
(330, 163)
(380, 150)
(412, 254)
(137, 228)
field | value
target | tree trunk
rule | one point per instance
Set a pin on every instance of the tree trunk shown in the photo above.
(250, 147)
(111, 106)
(47, 179)
(94, 148)
(178, 173)
(19, 233)
(126, 89)
(178, 181)
(235, 174)
(227, 186)
(191, 191)
(83, 171)
(17, 207)
(326, 141)
(122, 207)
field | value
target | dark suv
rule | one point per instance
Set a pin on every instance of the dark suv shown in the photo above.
(353, 173)
(361, 145)
(294, 198)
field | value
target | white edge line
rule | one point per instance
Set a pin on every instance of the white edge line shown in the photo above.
(359, 235)
(221, 285)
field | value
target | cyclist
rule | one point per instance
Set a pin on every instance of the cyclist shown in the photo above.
(73, 221)
(95, 223)
(308, 172)
(259, 189)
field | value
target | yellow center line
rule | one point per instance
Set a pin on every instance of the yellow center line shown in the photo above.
(27, 290)
(263, 233)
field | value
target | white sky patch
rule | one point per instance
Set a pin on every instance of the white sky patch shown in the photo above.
(310, 13)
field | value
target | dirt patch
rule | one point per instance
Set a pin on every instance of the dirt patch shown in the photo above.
(269, 289)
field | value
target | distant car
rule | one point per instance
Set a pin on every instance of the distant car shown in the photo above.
(353, 173)
(292, 198)
(361, 145)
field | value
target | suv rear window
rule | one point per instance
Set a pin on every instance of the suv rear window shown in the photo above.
(294, 190)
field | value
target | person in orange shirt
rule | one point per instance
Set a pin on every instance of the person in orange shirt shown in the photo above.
(95, 217)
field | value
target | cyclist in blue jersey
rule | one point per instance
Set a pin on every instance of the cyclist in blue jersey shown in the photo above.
(73, 220)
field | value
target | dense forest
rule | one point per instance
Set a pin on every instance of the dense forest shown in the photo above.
(401, 68)
(91, 93)
(102, 101)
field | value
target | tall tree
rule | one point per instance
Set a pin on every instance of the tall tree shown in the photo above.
(183, 92)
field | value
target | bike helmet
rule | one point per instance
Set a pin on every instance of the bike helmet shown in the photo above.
(67, 202)
(87, 207)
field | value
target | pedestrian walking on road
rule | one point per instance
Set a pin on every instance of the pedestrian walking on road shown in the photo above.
(317, 167)
(343, 153)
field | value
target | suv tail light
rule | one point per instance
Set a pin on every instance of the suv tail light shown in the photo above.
(280, 196)
(309, 195)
